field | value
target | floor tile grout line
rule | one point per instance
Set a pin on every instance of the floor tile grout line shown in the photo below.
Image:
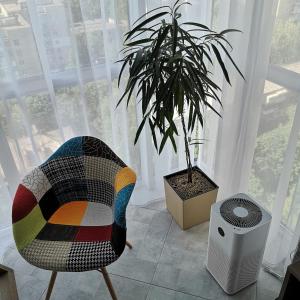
(43, 293)
(162, 249)
(160, 286)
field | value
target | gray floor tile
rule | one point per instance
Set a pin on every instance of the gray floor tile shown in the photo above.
(182, 259)
(138, 269)
(30, 287)
(82, 285)
(147, 231)
(158, 293)
(268, 287)
(140, 214)
(91, 285)
(157, 205)
(193, 239)
(199, 283)
(126, 289)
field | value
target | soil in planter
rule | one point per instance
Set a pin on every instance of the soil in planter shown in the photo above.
(199, 185)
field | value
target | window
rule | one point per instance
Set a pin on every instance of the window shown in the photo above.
(276, 165)
(16, 42)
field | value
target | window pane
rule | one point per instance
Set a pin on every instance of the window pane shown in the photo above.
(285, 49)
(69, 105)
(276, 121)
(43, 124)
(291, 208)
(98, 110)
(17, 43)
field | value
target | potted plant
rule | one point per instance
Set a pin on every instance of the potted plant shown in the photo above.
(169, 67)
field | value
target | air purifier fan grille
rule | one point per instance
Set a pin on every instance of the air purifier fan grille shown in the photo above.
(241, 212)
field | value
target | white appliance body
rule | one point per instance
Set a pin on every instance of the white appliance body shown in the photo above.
(234, 253)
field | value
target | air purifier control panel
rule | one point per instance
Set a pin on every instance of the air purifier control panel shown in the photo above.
(221, 231)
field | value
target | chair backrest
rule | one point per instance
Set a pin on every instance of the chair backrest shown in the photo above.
(82, 169)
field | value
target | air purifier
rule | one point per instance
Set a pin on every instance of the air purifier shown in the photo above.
(237, 237)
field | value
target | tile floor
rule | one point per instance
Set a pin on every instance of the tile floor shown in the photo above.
(165, 263)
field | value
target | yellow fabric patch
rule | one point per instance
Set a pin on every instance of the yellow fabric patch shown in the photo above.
(26, 229)
(123, 178)
(70, 213)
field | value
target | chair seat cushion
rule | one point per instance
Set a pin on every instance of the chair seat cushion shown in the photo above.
(77, 237)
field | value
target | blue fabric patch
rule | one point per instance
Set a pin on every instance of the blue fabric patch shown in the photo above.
(121, 202)
(72, 147)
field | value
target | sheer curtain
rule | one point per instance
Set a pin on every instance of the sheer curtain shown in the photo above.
(258, 148)
(59, 80)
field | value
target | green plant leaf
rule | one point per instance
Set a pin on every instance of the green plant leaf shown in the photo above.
(175, 31)
(219, 58)
(139, 130)
(159, 41)
(150, 11)
(152, 127)
(135, 29)
(138, 42)
(173, 142)
(232, 61)
(121, 71)
(197, 25)
(184, 3)
(229, 30)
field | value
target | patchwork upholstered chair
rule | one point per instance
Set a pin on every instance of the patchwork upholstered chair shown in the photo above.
(69, 213)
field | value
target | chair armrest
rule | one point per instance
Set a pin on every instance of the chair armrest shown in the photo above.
(124, 184)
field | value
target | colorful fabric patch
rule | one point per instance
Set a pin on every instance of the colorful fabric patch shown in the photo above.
(70, 213)
(124, 177)
(118, 238)
(97, 214)
(37, 183)
(100, 191)
(70, 190)
(90, 256)
(94, 147)
(98, 168)
(60, 169)
(26, 229)
(23, 204)
(121, 202)
(49, 255)
(48, 204)
(71, 148)
(94, 234)
(57, 232)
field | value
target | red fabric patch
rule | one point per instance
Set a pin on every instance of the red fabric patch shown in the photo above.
(23, 204)
(94, 233)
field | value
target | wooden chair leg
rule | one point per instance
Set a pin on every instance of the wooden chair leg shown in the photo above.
(51, 284)
(128, 245)
(108, 283)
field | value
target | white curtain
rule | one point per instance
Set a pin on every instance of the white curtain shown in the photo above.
(258, 147)
(58, 80)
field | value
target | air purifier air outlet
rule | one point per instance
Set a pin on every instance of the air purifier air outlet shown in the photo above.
(241, 212)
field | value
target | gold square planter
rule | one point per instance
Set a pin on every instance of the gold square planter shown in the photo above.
(192, 211)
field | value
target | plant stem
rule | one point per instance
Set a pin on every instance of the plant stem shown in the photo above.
(187, 151)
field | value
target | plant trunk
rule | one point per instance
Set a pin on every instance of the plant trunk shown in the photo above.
(187, 151)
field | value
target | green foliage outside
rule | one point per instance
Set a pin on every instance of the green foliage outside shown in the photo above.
(285, 42)
(272, 141)
(269, 155)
